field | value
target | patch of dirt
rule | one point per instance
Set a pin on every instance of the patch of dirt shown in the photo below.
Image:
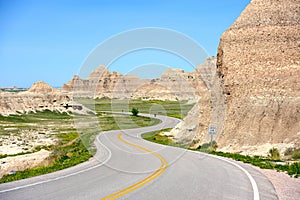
(25, 141)
(23, 162)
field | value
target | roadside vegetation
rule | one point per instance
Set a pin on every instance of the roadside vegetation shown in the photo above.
(76, 146)
(157, 137)
(292, 153)
(271, 162)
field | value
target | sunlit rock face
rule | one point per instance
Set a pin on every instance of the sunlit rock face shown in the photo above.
(174, 84)
(42, 88)
(259, 62)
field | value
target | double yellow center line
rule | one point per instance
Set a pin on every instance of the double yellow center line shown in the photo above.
(148, 179)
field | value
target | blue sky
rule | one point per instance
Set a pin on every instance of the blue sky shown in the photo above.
(49, 40)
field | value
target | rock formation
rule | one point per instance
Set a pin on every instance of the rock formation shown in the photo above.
(42, 88)
(39, 97)
(24, 102)
(103, 83)
(209, 109)
(173, 85)
(259, 62)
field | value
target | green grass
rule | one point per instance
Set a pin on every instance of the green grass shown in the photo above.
(178, 109)
(67, 137)
(157, 137)
(262, 162)
(11, 155)
(127, 121)
(37, 117)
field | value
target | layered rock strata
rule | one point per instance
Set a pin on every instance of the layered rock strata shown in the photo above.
(259, 62)
(174, 84)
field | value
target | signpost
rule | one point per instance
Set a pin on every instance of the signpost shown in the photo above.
(211, 132)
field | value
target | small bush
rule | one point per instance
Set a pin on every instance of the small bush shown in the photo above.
(293, 153)
(294, 169)
(208, 146)
(135, 111)
(289, 151)
(274, 154)
(296, 155)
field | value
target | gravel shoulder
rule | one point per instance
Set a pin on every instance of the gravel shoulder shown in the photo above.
(287, 188)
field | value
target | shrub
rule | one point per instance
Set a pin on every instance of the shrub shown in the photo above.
(289, 151)
(274, 154)
(296, 155)
(293, 153)
(135, 111)
(294, 169)
(208, 146)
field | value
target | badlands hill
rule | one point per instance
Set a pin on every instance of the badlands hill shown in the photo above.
(42, 88)
(174, 84)
(259, 62)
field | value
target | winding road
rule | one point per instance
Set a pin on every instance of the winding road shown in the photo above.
(128, 167)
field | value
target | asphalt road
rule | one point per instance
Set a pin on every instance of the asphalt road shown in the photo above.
(128, 167)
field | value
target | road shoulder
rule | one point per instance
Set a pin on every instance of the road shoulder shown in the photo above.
(287, 188)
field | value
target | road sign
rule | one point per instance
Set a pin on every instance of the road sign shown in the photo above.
(211, 130)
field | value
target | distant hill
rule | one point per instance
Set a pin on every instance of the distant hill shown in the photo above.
(42, 87)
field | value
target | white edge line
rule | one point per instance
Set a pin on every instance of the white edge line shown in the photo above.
(65, 176)
(252, 181)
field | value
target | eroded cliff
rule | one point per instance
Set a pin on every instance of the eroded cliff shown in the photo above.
(259, 62)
